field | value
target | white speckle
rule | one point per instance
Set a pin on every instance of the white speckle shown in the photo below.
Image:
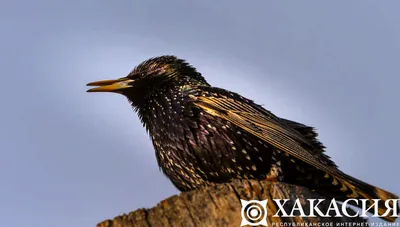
(253, 167)
(244, 151)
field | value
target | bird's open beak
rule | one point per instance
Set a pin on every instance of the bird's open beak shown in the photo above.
(110, 85)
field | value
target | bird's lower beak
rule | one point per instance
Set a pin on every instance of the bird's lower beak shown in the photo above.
(110, 85)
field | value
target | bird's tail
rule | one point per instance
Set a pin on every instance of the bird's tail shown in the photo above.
(357, 189)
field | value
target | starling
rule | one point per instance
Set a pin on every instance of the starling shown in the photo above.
(204, 135)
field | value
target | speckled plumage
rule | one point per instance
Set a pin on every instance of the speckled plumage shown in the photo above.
(204, 135)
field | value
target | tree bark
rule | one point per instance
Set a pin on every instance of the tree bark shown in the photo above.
(220, 205)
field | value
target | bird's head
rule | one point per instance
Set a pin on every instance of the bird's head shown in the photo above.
(151, 77)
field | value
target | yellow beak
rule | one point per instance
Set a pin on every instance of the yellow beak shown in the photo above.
(110, 85)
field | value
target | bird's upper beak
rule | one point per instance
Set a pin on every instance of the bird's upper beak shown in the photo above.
(110, 85)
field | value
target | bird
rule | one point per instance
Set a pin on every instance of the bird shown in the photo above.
(204, 135)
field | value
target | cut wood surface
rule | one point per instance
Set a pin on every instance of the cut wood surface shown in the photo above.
(219, 205)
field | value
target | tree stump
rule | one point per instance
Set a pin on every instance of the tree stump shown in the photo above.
(219, 205)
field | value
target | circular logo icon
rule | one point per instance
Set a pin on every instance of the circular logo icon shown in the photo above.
(254, 212)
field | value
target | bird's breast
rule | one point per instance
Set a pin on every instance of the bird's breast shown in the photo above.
(194, 148)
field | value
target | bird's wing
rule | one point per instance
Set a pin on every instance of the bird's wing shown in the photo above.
(308, 132)
(286, 136)
(264, 125)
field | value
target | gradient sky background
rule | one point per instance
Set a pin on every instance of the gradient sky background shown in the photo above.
(69, 158)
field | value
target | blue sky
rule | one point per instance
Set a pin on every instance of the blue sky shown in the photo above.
(70, 158)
